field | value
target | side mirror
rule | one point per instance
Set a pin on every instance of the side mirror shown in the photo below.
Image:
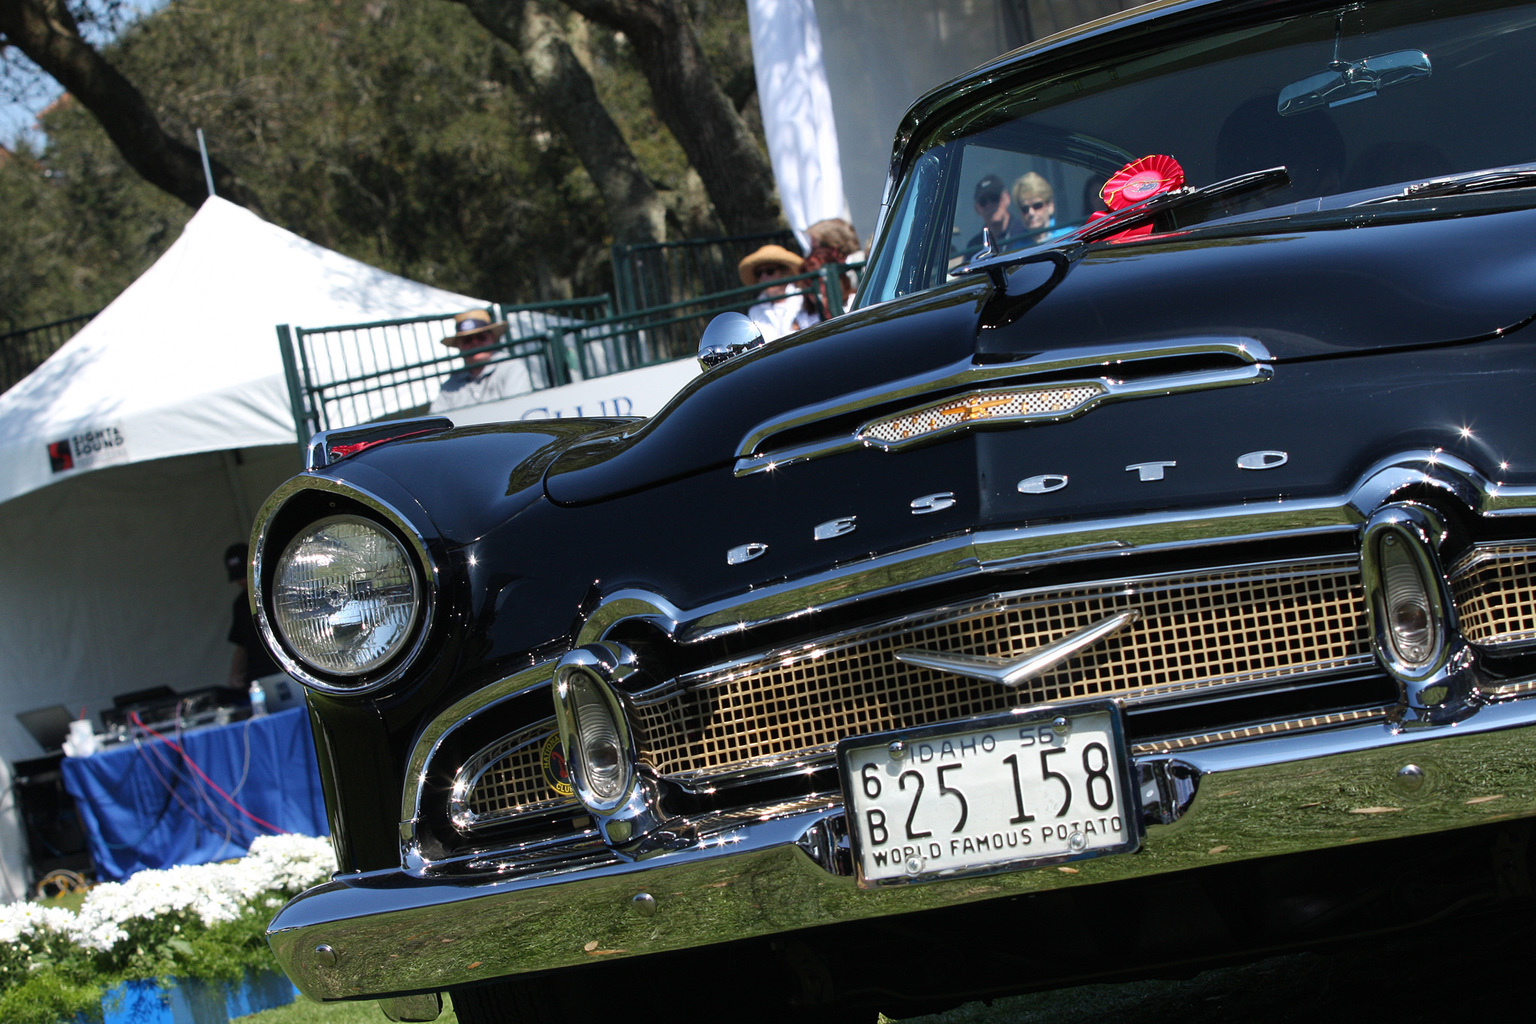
(727, 336)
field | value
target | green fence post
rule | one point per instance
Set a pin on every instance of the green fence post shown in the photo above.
(559, 359)
(620, 254)
(832, 275)
(295, 388)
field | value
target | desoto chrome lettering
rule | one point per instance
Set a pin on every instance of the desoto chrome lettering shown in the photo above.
(1045, 483)
(835, 527)
(933, 503)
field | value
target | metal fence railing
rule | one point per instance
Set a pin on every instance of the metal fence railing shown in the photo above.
(23, 351)
(356, 373)
(352, 374)
(651, 274)
(628, 341)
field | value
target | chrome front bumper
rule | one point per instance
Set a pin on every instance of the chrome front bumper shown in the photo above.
(391, 933)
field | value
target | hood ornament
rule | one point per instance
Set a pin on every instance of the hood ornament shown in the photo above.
(1017, 671)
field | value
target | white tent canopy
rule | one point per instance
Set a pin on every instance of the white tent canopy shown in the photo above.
(138, 452)
(186, 359)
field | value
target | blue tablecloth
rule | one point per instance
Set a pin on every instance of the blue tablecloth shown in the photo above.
(146, 804)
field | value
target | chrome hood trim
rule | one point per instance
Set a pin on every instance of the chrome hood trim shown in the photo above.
(1250, 364)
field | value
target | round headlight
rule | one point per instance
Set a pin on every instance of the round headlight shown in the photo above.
(345, 595)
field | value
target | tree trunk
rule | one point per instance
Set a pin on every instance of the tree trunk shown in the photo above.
(46, 32)
(563, 89)
(735, 171)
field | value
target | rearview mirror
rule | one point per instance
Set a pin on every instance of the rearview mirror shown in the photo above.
(1353, 80)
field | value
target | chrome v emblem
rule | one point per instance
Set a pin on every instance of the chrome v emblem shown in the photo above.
(1024, 668)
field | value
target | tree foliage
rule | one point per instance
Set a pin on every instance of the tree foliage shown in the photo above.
(46, 30)
(399, 132)
(77, 225)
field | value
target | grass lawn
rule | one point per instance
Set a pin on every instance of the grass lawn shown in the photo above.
(304, 1011)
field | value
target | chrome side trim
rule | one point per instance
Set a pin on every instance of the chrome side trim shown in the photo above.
(1241, 733)
(1049, 544)
(753, 456)
(430, 576)
(479, 703)
(768, 870)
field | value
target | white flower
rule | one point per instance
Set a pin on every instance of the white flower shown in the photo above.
(19, 921)
(212, 893)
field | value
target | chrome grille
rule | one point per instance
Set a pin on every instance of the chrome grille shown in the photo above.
(1495, 591)
(506, 779)
(1194, 632)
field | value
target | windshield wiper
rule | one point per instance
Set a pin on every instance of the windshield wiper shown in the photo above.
(1145, 210)
(1463, 184)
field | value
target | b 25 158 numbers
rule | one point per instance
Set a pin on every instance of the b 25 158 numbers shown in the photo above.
(940, 804)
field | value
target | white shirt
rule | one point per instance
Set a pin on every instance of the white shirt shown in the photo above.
(778, 317)
(464, 387)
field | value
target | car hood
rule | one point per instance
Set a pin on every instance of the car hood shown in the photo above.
(1371, 281)
(1374, 282)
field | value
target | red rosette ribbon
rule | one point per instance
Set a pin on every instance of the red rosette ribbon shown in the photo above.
(1142, 179)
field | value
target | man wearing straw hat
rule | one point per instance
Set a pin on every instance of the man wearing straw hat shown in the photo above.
(480, 379)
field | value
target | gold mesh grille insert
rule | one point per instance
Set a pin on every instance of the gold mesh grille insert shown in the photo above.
(1194, 632)
(1026, 403)
(1495, 592)
(508, 778)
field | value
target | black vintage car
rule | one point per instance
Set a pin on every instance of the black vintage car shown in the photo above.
(1149, 586)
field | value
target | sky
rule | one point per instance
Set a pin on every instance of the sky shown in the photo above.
(20, 117)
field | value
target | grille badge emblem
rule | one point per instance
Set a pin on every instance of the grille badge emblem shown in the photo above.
(1017, 671)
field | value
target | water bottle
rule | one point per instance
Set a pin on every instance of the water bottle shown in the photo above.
(258, 700)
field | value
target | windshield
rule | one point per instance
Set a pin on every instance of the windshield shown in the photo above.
(1352, 101)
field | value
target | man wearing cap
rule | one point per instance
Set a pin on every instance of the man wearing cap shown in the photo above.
(781, 311)
(480, 379)
(994, 205)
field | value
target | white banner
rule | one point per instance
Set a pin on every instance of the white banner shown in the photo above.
(797, 112)
(633, 393)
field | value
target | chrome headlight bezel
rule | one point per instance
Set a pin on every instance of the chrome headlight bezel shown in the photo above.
(302, 504)
(1406, 588)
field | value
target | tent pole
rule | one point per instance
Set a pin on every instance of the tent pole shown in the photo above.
(232, 461)
(202, 147)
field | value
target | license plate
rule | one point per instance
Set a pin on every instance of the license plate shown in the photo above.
(1037, 786)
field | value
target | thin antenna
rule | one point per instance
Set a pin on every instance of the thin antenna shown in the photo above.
(202, 147)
